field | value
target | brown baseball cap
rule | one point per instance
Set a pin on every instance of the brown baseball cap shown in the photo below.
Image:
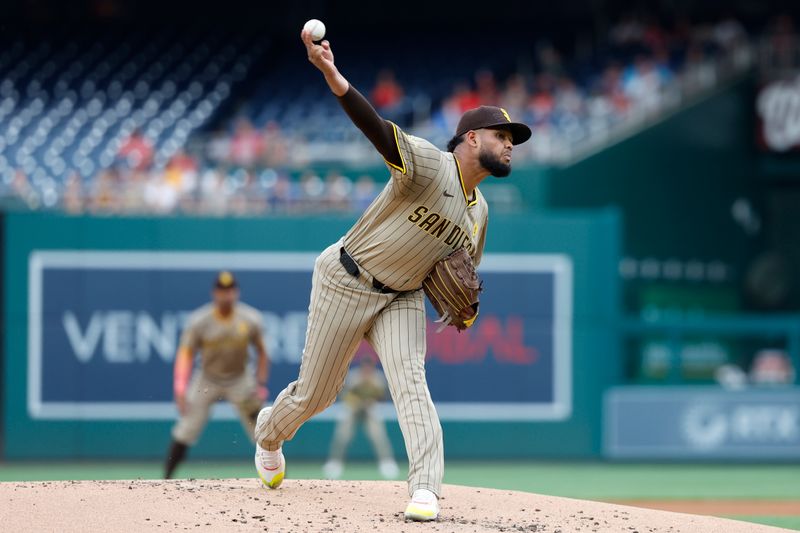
(487, 116)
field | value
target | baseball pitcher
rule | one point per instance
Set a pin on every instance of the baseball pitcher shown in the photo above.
(368, 285)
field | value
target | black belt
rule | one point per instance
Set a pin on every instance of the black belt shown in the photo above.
(351, 267)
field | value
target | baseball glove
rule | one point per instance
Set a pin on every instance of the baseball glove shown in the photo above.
(453, 286)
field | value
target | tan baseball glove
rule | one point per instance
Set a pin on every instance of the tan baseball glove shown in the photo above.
(453, 286)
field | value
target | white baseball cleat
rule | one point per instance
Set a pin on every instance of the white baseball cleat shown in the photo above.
(271, 466)
(333, 469)
(424, 506)
(388, 469)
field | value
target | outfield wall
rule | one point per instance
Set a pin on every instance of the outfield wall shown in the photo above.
(674, 182)
(94, 308)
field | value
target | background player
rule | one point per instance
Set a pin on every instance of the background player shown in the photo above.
(367, 285)
(222, 331)
(363, 388)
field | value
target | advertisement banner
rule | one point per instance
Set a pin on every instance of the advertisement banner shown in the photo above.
(702, 423)
(103, 329)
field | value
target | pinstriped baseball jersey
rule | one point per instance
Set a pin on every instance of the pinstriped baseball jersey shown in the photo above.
(421, 216)
(223, 342)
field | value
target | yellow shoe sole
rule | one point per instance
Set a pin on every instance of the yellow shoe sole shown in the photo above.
(275, 483)
(420, 514)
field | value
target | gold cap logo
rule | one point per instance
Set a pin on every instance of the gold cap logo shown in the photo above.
(225, 279)
(505, 114)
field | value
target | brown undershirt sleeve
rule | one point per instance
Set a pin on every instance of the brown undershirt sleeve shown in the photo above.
(379, 131)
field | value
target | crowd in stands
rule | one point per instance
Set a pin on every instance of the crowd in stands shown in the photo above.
(184, 186)
(643, 68)
(248, 167)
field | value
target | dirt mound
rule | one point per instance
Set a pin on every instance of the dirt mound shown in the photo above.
(303, 505)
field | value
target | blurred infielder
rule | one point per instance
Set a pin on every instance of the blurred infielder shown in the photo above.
(364, 387)
(368, 284)
(222, 332)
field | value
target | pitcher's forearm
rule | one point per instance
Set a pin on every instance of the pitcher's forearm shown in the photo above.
(336, 82)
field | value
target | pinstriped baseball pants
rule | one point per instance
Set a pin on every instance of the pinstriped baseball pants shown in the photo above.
(343, 311)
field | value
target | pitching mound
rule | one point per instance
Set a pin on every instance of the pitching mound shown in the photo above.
(370, 506)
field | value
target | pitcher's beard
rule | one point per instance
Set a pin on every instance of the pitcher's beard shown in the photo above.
(493, 165)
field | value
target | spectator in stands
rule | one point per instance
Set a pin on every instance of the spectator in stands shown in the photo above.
(73, 201)
(465, 97)
(606, 103)
(136, 152)
(248, 197)
(213, 192)
(338, 189)
(612, 88)
(160, 196)
(599, 111)
(542, 102)
(644, 82)
(462, 98)
(24, 190)
(387, 95)
(131, 187)
(561, 110)
(364, 193)
(105, 193)
(446, 117)
(730, 34)
(218, 147)
(568, 98)
(246, 145)
(275, 150)
(181, 172)
(284, 195)
(312, 189)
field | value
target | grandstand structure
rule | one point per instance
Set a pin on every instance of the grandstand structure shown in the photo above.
(68, 104)
(576, 115)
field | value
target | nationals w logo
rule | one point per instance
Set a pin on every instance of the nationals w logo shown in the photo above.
(778, 107)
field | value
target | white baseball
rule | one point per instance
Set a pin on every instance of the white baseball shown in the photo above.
(316, 28)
